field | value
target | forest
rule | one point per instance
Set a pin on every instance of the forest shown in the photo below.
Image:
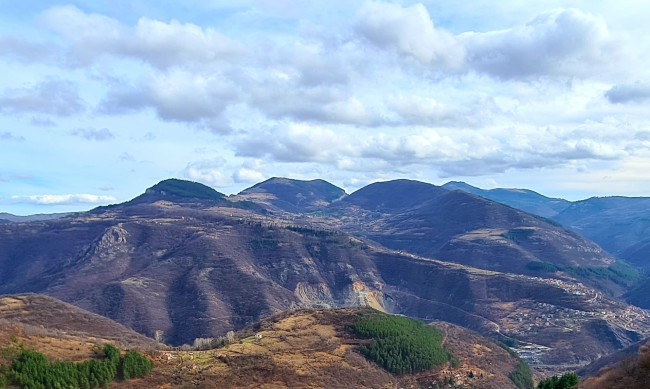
(401, 345)
(32, 370)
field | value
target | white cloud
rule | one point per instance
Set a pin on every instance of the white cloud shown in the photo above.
(65, 199)
(248, 176)
(157, 43)
(565, 42)
(409, 31)
(210, 172)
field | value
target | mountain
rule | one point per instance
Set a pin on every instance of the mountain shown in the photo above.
(620, 225)
(459, 227)
(617, 224)
(188, 270)
(289, 195)
(9, 218)
(391, 196)
(523, 199)
(179, 191)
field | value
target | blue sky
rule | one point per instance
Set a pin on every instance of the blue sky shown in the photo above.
(100, 100)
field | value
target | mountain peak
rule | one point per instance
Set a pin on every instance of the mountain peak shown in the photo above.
(294, 195)
(393, 195)
(176, 189)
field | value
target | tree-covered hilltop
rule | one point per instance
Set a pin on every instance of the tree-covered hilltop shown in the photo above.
(401, 345)
(32, 370)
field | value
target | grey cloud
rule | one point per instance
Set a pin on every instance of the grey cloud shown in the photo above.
(24, 50)
(9, 136)
(52, 97)
(101, 134)
(561, 42)
(154, 42)
(632, 93)
(178, 96)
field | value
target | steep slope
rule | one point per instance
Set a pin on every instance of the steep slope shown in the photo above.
(292, 195)
(640, 295)
(61, 330)
(631, 371)
(615, 223)
(523, 199)
(638, 255)
(459, 227)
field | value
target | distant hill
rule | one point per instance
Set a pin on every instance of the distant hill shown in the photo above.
(179, 191)
(459, 227)
(616, 223)
(9, 218)
(620, 225)
(523, 199)
(293, 195)
(391, 196)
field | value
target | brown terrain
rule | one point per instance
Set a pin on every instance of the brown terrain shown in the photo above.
(628, 370)
(185, 262)
(60, 330)
(306, 349)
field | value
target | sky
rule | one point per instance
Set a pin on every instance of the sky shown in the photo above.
(100, 100)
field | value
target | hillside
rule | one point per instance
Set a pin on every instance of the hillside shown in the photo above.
(283, 194)
(631, 370)
(523, 199)
(61, 330)
(459, 227)
(315, 349)
(620, 225)
(615, 223)
(307, 349)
